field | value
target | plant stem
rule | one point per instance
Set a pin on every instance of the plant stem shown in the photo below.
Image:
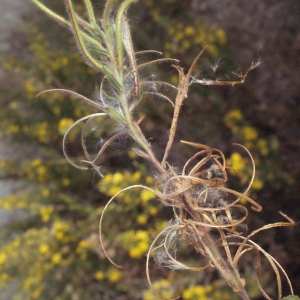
(230, 275)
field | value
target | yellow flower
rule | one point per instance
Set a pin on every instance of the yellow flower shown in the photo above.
(179, 35)
(4, 277)
(99, 275)
(43, 248)
(46, 212)
(114, 190)
(220, 34)
(249, 133)
(3, 258)
(232, 119)
(59, 235)
(132, 154)
(194, 292)
(64, 125)
(153, 211)
(257, 184)
(13, 128)
(56, 258)
(137, 176)
(41, 173)
(60, 230)
(262, 146)
(142, 235)
(236, 161)
(189, 30)
(140, 241)
(142, 219)
(36, 293)
(107, 179)
(117, 178)
(60, 225)
(114, 275)
(235, 115)
(29, 88)
(36, 162)
(139, 250)
(147, 195)
(149, 179)
(65, 182)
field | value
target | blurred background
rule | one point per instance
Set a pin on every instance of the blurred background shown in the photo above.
(49, 246)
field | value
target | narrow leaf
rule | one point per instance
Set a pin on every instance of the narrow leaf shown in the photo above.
(90, 10)
(111, 79)
(78, 36)
(115, 115)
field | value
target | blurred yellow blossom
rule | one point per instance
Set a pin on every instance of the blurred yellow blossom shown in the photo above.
(142, 219)
(42, 131)
(147, 195)
(65, 182)
(194, 292)
(137, 252)
(232, 119)
(36, 162)
(221, 36)
(56, 258)
(236, 161)
(117, 178)
(163, 287)
(29, 89)
(249, 133)
(263, 147)
(99, 275)
(114, 275)
(153, 211)
(257, 184)
(137, 176)
(3, 258)
(113, 190)
(46, 212)
(64, 125)
(189, 30)
(14, 128)
(43, 248)
(61, 230)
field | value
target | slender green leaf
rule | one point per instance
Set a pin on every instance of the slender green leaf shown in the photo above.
(111, 96)
(90, 10)
(52, 14)
(111, 79)
(78, 35)
(98, 30)
(115, 115)
(98, 51)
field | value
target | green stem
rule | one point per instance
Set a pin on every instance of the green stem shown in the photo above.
(139, 137)
(231, 276)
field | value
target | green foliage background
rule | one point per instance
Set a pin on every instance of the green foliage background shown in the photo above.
(54, 253)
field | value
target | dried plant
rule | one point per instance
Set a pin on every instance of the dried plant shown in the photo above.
(205, 209)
